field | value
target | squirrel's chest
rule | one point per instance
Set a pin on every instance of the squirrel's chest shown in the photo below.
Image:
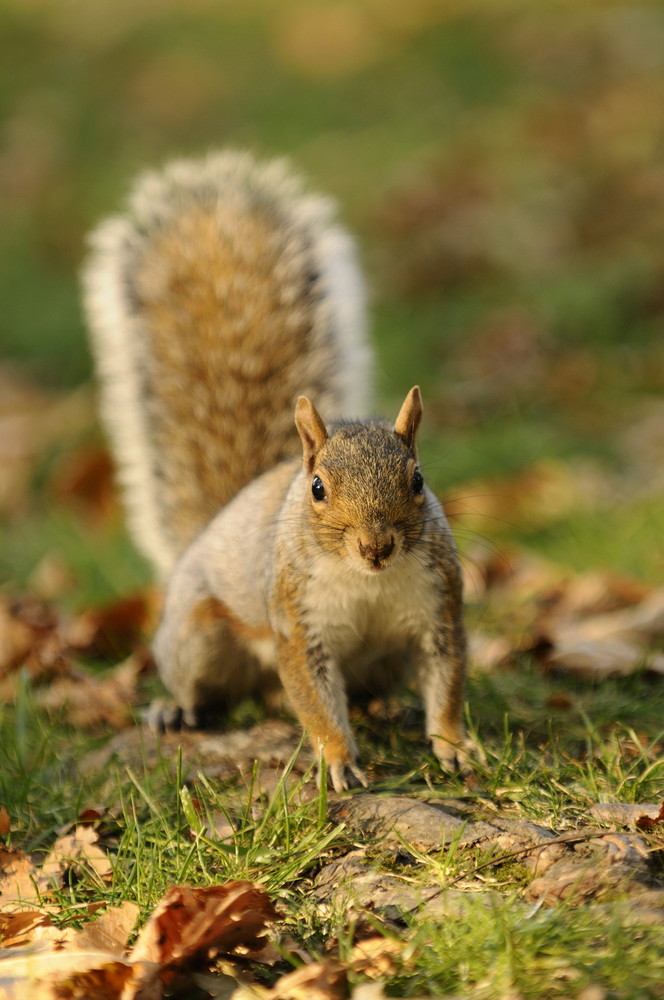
(362, 615)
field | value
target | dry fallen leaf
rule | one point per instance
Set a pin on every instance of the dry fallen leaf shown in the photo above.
(91, 815)
(325, 980)
(89, 961)
(601, 592)
(602, 657)
(91, 702)
(5, 824)
(637, 623)
(648, 823)
(376, 957)
(109, 932)
(16, 639)
(34, 639)
(112, 629)
(595, 624)
(30, 641)
(18, 928)
(613, 643)
(67, 975)
(21, 882)
(230, 918)
(77, 850)
(84, 477)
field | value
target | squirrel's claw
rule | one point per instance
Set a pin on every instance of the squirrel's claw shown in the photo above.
(342, 775)
(164, 716)
(453, 757)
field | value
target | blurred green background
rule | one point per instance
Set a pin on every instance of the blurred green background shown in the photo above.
(502, 165)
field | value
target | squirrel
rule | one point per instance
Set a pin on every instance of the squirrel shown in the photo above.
(302, 550)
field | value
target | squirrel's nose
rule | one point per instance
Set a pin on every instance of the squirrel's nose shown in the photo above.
(375, 552)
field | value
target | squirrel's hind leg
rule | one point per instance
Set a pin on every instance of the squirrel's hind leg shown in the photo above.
(203, 663)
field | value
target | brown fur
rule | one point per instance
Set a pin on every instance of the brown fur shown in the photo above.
(212, 352)
(211, 611)
(367, 471)
(313, 700)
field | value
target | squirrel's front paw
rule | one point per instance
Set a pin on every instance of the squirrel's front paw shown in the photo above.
(343, 775)
(166, 717)
(452, 756)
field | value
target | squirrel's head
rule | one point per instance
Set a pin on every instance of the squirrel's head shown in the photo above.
(366, 492)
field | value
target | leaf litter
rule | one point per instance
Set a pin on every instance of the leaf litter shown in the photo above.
(47, 646)
(188, 926)
(596, 624)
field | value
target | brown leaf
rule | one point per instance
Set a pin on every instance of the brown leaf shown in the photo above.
(639, 623)
(601, 657)
(612, 643)
(20, 881)
(17, 928)
(110, 932)
(29, 639)
(90, 701)
(25, 625)
(112, 629)
(5, 823)
(84, 964)
(230, 918)
(69, 964)
(67, 975)
(325, 980)
(602, 592)
(648, 823)
(105, 982)
(91, 815)
(78, 850)
(16, 639)
(85, 477)
(375, 957)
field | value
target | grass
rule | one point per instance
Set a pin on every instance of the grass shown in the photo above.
(502, 949)
(627, 537)
(158, 830)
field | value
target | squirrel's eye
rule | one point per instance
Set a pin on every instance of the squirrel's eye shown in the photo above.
(418, 482)
(317, 488)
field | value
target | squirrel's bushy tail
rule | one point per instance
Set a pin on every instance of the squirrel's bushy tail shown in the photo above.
(222, 293)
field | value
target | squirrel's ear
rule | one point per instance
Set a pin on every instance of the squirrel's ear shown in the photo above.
(311, 429)
(409, 417)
